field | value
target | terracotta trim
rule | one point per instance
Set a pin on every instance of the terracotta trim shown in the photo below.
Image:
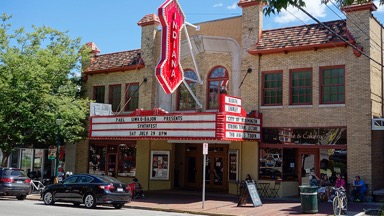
(249, 3)
(298, 48)
(148, 23)
(120, 69)
(353, 8)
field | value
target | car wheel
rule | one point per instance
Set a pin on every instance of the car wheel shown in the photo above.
(90, 201)
(21, 197)
(48, 198)
(118, 206)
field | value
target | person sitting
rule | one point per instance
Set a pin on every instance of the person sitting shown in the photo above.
(248, 178)
(323, 191)
(314, 180)
(339, 183)
(360, 188)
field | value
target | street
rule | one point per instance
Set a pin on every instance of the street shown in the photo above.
(14, 207)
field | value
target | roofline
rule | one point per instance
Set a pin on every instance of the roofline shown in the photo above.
(299, 48)
(119, 69)
(139, 49)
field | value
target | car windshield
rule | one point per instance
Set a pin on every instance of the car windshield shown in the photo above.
(108, 179)
(15, 173)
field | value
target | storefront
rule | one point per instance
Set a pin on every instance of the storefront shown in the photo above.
(172, 145)
(290, 155)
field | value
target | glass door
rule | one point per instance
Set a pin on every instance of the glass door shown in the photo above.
(111, 165)
(308, 164)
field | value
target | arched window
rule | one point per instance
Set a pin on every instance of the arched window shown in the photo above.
(216, 78)
(185, 99)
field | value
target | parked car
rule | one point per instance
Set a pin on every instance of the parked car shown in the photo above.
(271, 160)
(90, 190)
(14, 182)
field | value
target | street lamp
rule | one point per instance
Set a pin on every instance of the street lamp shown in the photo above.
(58, 123)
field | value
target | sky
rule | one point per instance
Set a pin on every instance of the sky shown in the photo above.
(112, 25)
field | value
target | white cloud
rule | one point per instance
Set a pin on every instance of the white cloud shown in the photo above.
(218, 5)
(233, 6)
(315, 8)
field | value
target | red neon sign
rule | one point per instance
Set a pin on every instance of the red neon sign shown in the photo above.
(169, 72)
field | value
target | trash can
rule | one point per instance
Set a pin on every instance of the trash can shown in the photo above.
(308, 196)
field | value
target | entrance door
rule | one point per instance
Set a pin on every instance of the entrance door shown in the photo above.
(214, 177)
(216, 172)
(309, 163)
(111, 165)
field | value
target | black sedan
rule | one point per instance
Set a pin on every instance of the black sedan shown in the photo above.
(89, 190)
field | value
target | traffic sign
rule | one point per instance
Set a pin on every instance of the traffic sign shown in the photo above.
(205, 148)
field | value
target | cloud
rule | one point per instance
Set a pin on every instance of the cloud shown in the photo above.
(380, 8)
(233, 6)
(218, 5)
(315, 8)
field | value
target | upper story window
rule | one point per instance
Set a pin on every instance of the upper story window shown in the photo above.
(185, 99)
(115, 97)
(332, 85)
(216, 78)
(272, 88)
(132, 97)
(99, 94)
(301, 87)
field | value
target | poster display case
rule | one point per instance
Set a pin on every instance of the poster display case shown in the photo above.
(159, 165)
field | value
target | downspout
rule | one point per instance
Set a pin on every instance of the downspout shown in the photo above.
(382, 74)
(259, 82)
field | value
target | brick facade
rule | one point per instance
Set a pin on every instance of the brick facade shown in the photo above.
(363, 82)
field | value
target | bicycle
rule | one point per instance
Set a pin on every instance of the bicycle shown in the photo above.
(340, 201)
(36, 186)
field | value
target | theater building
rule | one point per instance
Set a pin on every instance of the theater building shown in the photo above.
(278, 104)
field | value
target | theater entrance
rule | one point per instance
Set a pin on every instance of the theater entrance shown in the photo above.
(216, 174)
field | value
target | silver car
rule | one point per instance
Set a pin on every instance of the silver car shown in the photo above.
(14, 182)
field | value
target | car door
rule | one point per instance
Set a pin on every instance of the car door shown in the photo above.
(82, 186)
(64, 190)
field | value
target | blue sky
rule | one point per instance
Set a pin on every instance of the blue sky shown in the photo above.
(112, 24)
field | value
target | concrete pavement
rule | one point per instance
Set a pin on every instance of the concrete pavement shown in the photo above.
(225, 204)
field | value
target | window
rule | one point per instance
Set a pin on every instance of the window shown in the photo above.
(185, 99)
(271, 161)
(216, 78)
(99, 94)
(115, 97)
(332, 89)
(132, 97)
(127, 160)
(272, 88)
(120, 159)
(301, 87)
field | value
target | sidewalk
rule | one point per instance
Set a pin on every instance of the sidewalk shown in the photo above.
(226, 205)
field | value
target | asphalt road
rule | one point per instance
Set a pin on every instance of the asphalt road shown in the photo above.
(13, 207)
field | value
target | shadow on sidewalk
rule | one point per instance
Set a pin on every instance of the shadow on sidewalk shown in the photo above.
(219, 203)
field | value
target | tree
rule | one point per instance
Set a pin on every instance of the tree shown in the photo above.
(275, 6)
(38, 83)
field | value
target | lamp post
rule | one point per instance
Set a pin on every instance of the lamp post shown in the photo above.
(58, 123)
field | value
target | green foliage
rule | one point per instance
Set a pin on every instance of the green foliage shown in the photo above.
(275, 6)
(38, 83)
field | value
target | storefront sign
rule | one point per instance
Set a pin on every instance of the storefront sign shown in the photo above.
(144, 127)
(169, 72)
